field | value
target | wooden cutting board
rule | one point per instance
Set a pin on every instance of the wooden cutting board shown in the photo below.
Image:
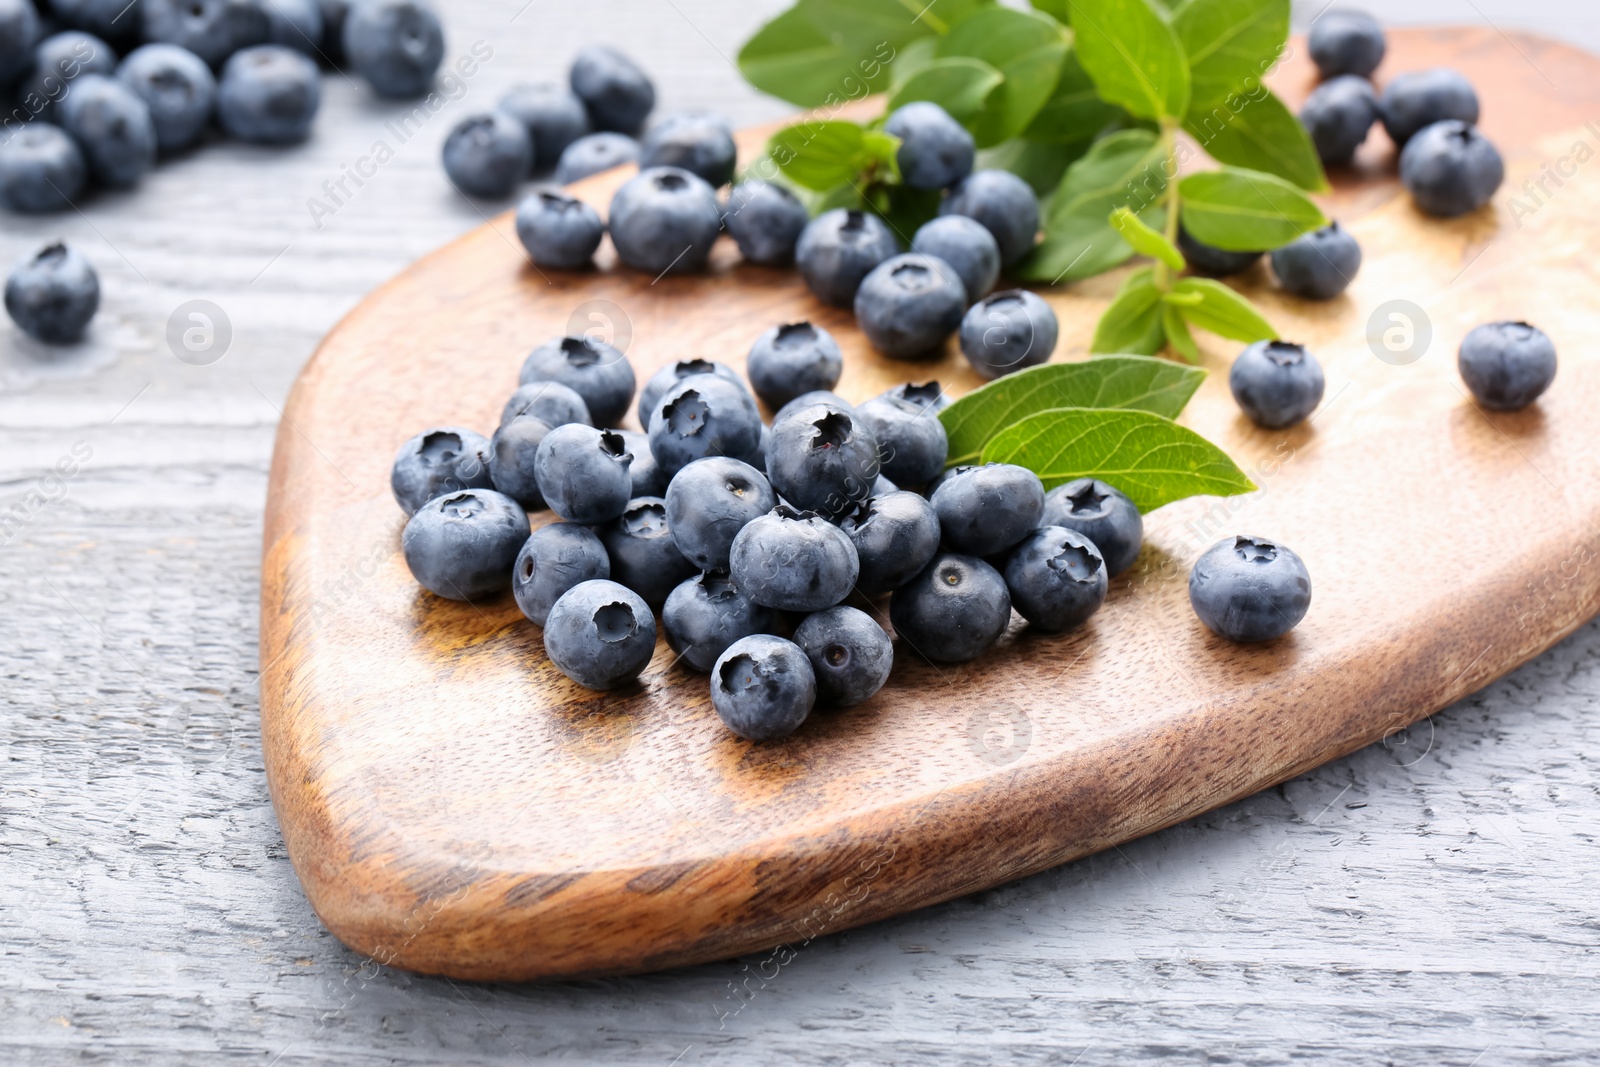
(454, 805)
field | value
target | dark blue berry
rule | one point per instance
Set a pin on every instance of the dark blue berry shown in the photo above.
(703, 415)
(1276, 383)
(53, 296)
(896, 535)
(648, 477)
(553, 116)
(591, 368)
(1008, 332)
(19, 30)
(822, 458)
(513, 455)
(177, 86)
(1451, 169)
(935, 150)
(462, 545)
(644, 554)
(967, 246)
(397, 45)
(793, 561)
(1416, 100)
(1507, 365)
(550, 402)
(583, 473)
(295, 24)
(112, 127)
(850, 654)
(986, 510)
(558, 230)
(488, 155)
(438, 461)
(616, 93)
(58, 61)
(909, 304)
(1319, 265)
(763, 687)
(600, 634)
(211, 29)
(912, 445)
(269, 95)
(1346, 42)
(953, 610)
(594, 153)
(1004, 203)
(41, 169)
(665, 220)
(673, 373)
(1338, 114)
(699, 142)
(709, 502)
(552, 561)
(707, 613)
(1217, 262)
(1101, 513)
(791, 360)
(837, 249)
(1249, 589)
(1056, 578)
(765, 220)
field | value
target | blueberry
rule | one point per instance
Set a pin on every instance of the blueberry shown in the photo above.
(765, 220)
(583, 473)
(673, 373)
(1276, 383)
(1507, 365)
(1346, 42)
(616, 93)
(699, 142)
(896, 535)
(703, 415)
(967, 246)
(462, 545)
(1451, 169)
(59, 60)
(763, 687)
(1319, 265)
(793, 561)
(648, 477)
(986, 510)
(953, 610)
(1004, 203)
(709, 502)
(1338, 114)
(664, 220)
(822, 458)
(706, 614)
(1418, 99)
(295, 24)
(935, 150)
(53, 296)
(397, 45)
(211, 29)
(837, 249)
(558, 230)
(912, 445)
(513, 458)
(816, 396)
(178, 88)
(269, 94)
(594, 153)
(1056, 578)
(551, 402)
(438, 461)
(1008, 332)
(1101, 513)
(112, 126)
(41, 169)
(791, 360)
(19, 30)
(644, 554)
(1249, 589)
(600, 634)
(1217, 262)
(850, 654)
(553, 116)
(488, 155)
(909, 304)
(591, 368)
(926, 395)
(553, 560)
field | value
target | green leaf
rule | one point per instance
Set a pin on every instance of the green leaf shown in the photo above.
(803, 58)
(1230, 44)
(1153, 460)
(915, 56)
(1136, 382)
(958, 84)
(1245, 210)
(1056, 9)
(1040, 165)
(1025, 47)
(1264, 135)
(1130, 50)
(822, 155)
(1074, 111)
(1220, 310)
(1133, 321)
(1145, 241)
(1178, 335)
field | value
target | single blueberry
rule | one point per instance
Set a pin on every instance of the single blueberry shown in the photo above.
(177, 86)
(462, 545)
(673, 373)
(1342, 41)
(707, 613)
(935, 150)
(53, 295)
(926, 395)
(909, 304)
(822, 458)
(1008, 332)
(816, 396)
(986, 510)
(211, 29)
(58, 61)
(1056, 578)
(41, 169)
(1249, 589)
(644, 555)
(488, 155)
(553, 116)
(554, 559)
(648, 477)
(1276, 383)
(1338, 114)
(558, 230)
(763, 687)
(850, 654)
(967, 246)
(912, 445)
(1451, 169)
(436, 461)
(112, 126)
(1507, 365)
(1319, 265)
(1418, 99)
(837, 249)
(19, 30)
(295, 24)
(664, 220)
(793, 561)
(703, 415)
(551, 402)
(896, 535)
(616, 93)
(765, 220)
(1103, 514)
(583, 473)
(269, 94)
(593, 369)
(1004, 203)
(791, 360)
(1217, 262)
(953, 610)
(594, 153)
(513, 458)
(699, 142)
(709, 502)
(397, 45)
(600, 634)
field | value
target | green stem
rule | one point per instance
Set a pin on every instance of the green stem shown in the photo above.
(1169, 147)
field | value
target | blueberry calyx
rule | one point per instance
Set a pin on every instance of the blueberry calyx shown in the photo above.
(1253, 550)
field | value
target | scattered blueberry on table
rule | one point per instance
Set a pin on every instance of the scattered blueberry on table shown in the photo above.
(1507, 365)
(1276, 383)
(53, 295)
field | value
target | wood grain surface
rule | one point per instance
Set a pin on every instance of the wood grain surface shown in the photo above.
(453, 805)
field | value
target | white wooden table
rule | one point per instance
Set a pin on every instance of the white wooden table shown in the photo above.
(1434, 899)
